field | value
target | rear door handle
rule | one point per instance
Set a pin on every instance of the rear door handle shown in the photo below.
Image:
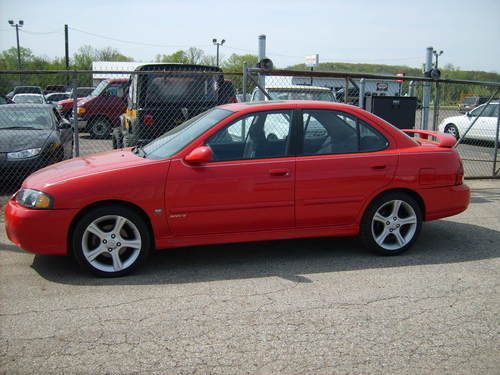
(279, 172)
(378, 167)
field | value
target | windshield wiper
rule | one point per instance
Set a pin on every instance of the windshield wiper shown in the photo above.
(22, 127)
(139, 151)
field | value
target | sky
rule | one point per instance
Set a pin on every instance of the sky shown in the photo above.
(382, 31)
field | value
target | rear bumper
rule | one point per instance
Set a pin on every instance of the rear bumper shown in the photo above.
(38, 231)
(445, 201)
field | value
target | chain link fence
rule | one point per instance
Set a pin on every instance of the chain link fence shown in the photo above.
(58, 115)
(469, 110)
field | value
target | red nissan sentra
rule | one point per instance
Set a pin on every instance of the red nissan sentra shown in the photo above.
(242, 172)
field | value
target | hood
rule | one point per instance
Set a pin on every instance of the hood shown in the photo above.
(83, 101)
(23, 139)
(82, 167)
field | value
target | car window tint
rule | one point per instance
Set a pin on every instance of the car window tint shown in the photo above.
(254, 136)
(475, 112)
(332, 132)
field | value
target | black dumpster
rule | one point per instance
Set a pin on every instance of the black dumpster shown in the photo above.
(397, 110)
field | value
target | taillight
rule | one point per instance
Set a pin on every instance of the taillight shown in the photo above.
(459, 179)
(148, 120)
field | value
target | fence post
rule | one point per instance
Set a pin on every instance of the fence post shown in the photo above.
(76, 134)
(244, 83)
(262, 55)
(426, 94)
(435, 117)
(411, 88)
(497, 142)
(346, 89)
(361, 93)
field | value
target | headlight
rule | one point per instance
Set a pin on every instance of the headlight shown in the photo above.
(24, 154)
(81, 110)
(34, 199)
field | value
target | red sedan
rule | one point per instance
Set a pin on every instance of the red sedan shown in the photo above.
(242, 172)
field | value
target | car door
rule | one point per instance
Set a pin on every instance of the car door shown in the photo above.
(487, 123)
(248, 186)
(343, 161)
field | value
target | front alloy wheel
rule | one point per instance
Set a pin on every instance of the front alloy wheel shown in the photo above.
(392, 223)
(111, 241)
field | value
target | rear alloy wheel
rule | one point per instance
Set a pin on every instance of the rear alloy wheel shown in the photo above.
(111, 241)
(100, 128)
(392, 223)
(452, 129)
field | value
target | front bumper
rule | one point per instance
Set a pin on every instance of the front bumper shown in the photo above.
(38, 231)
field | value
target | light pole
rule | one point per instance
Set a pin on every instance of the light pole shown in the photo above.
(218, 44)
(17, 25)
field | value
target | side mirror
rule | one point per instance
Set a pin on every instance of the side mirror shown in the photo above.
(468, 114)
(64, 125)
(199, 155)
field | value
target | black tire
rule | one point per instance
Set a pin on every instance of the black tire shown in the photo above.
(117, 138)
(108, 248)
(453, 130)
(129, 140)
(391, 236)
(99, 128)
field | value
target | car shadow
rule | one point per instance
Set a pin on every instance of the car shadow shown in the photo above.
(440, 242)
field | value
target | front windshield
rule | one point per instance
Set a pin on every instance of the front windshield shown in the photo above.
(301, 95)
(179, 137)
(99, 88)
(25, 118)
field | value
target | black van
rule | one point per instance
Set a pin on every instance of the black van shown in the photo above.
(162, 96)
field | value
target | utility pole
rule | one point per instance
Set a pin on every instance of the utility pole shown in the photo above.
(66, 52)
(17, 25)
(218, 44)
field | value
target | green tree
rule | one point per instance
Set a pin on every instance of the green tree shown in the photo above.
(234, 64)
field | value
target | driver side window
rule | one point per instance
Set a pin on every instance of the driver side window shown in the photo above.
(254, 136)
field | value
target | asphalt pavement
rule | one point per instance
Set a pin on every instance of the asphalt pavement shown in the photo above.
(323, 306)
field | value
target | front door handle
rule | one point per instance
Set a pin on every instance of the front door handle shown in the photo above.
(279, 172)
(378, 167)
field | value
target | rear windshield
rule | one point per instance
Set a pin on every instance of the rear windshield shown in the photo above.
(470, 99)
(25, 118)
(181, 88)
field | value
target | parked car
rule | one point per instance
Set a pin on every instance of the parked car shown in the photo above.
(54, 88)
(5, 100)
(99, 112)
(484, 128)
(29, 98)
(160, 101)
(25, 90)
(32, 136)
(470, 102)
(295, 92)
(218, 178)
(56, 97)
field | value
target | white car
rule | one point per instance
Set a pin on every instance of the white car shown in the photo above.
(484, 128)
(29, 98)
